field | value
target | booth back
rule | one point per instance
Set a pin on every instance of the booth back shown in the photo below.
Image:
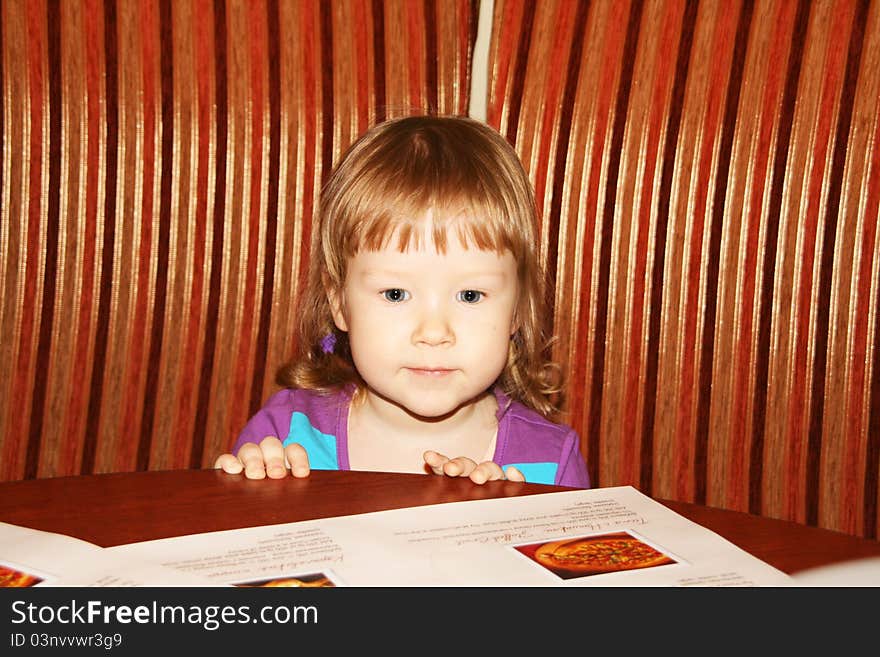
(708, 176)
(709, 179)
(161, 163)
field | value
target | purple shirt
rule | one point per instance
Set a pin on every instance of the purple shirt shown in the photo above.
(545, 453)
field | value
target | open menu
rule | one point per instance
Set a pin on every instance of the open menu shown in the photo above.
(599, 537)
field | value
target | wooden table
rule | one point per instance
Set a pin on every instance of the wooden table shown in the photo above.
(112, 509)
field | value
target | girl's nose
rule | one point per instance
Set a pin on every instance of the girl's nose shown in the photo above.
(433, 329)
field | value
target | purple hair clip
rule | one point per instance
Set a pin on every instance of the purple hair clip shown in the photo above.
(328, 343)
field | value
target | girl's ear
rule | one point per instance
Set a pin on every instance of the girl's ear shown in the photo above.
(334, 297)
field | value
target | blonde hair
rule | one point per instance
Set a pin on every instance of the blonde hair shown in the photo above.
(469, 177)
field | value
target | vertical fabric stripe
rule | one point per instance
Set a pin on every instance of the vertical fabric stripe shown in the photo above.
(180, 437)
(273, 51)
(514, 100)
(608, 212)
(108, 217)
(823, 304)
(430, 26)
(15, 330)
(701, 446)
(629, 291)
(4, 236)
(47, 315)
(6, 333)
(871, 522)
(327, 127)
(780, 165)
(869, 294)
(379, 59)
(659, 247)
(559, 166)
(157, 330)
(218, 218)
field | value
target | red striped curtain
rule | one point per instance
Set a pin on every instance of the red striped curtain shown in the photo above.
(709, 179)
(161, 162)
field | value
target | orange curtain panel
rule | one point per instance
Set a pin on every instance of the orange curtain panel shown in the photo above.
(161, 161)
(708, 174)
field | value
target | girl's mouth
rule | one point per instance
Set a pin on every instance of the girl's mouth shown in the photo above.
(430, 371)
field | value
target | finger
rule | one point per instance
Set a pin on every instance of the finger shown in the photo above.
(228, 463)
(298, 459)
(435, 461)
(251, 457)
(273, 457)
(486, 471)
(513, 474)
(460, 466)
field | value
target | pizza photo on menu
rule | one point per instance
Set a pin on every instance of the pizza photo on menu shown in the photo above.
(14, 578)
(307, 580)
(584, 556)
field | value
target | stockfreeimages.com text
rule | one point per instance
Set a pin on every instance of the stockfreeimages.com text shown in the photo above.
(211, 617)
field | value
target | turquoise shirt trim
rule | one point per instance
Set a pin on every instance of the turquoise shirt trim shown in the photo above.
(536, 473)
(321, 447)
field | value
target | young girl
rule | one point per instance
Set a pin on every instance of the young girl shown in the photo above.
(420, 338)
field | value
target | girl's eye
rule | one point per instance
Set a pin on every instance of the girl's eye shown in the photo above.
(395, 295)
(469, 296)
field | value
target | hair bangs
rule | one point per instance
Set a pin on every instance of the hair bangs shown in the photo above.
(401, 210)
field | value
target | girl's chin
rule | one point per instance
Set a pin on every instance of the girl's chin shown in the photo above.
(430, 405)
(431, 412)
(436, 408)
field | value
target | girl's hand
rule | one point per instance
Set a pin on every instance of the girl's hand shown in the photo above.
(269, 458)
(464, 467)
